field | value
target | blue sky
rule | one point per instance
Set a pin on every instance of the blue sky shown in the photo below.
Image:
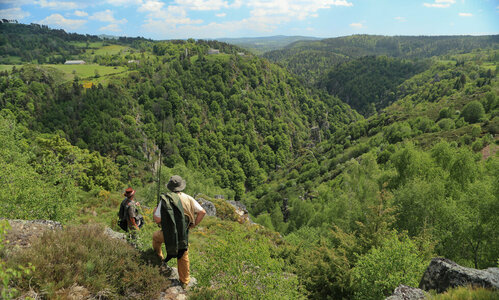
(182, 19)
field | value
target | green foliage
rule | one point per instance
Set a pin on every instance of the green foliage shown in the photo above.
(465, 293)
(86, 256)
(369, 80)
(32, 192)
(8, 274)
(473, 112)
(383, 268)
(248, 270)
(446, 124)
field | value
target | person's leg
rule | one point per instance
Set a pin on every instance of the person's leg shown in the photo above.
(157, 240)
(183, 268)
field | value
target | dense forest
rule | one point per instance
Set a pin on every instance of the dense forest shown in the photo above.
(361, 156)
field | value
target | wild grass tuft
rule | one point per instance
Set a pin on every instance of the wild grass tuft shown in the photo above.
(467, 293)
(87, 258)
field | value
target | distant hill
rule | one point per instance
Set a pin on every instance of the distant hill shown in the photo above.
(260, 45)
(312, 59)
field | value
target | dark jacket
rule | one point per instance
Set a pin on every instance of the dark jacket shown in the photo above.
(173, 224)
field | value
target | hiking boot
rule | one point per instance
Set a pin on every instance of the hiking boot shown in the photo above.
(165, 270)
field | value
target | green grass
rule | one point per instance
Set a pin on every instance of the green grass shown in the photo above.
(466, 293)
(109, 50)
(5, 67)
(11, 59)
(87, 71)
(93, 45)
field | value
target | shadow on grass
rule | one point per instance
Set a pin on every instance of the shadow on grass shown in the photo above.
(149, 257)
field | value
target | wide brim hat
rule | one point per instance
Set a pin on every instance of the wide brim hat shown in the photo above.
(129, 192)
(176, 184)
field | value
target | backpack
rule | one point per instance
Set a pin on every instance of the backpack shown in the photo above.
(123, 215)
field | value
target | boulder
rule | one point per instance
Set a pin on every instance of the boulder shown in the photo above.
(404, 292)
(113, 234)
(208, 206)
(241, 211)
(443, 274)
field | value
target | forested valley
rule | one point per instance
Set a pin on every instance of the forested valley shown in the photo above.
(360, 158)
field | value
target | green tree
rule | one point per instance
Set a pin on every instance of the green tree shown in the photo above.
(473, 112)
(397, 261)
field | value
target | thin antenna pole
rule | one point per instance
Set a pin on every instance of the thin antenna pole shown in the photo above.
(160, 162)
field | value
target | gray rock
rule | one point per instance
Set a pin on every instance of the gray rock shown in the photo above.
(404, 292)
(443, 274)
(172, 274)
(208, 206)
(22, 233)
(113, 234)
(241, 211)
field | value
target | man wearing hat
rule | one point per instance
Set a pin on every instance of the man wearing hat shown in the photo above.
(128, 210)
(193, 212)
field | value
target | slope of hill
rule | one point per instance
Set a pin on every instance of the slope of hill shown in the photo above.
(260, 45)
(417, 167)
(356, 46)
(353, 198)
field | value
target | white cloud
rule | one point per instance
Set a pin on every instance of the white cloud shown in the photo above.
(111, 27)
(16, 3)
(14, 13)
(151, 6)
(292, 9)
(357, 25)
(265, 15)
(465, 14)
(80, 13)
(123, 2)
(203, 4)
(106, 16)
(221, 15)
(400, 19)
(59, 5)
(60, 21)
(440, 3)
(171, 30)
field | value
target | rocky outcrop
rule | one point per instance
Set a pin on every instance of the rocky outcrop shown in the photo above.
(208, 206)
(443, 274)
(404, 292)
(241, 211)
(113, 234)
(23, 232)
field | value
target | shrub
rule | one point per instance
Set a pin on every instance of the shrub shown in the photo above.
(473, 112)
(446, 124)
(382, 269)
(445, 113)
(249, 268)
(87, 257)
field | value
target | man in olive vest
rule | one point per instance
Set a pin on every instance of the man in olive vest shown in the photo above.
(193, 213)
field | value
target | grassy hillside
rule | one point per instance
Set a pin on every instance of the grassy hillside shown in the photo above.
(344, 200)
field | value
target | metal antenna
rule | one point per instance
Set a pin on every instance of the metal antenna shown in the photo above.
(160, 162)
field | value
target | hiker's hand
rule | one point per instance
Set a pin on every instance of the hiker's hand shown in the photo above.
(137, 203)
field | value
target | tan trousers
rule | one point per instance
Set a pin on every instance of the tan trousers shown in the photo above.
(182, 263)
